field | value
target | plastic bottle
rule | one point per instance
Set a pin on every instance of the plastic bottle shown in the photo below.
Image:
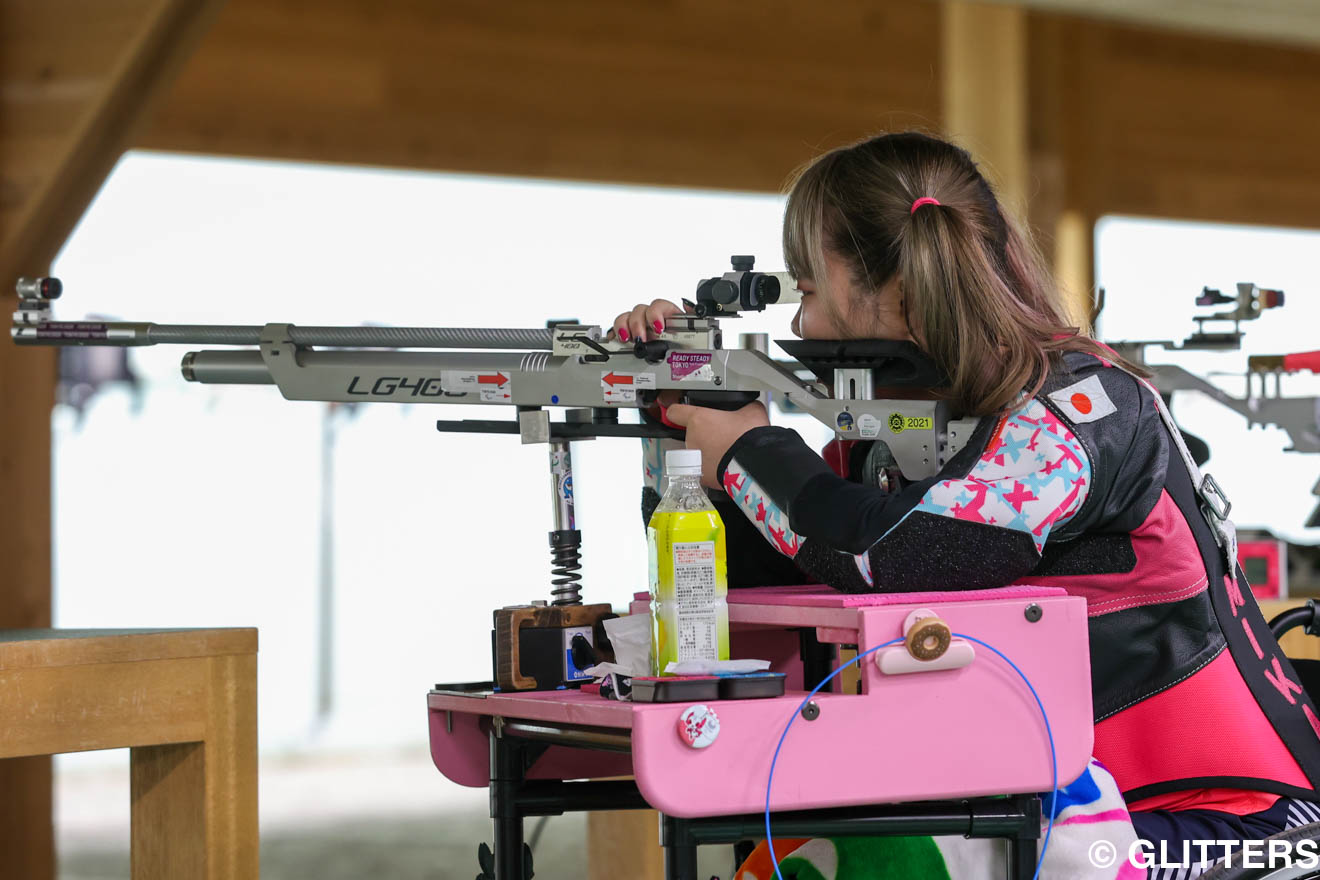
(689, 583)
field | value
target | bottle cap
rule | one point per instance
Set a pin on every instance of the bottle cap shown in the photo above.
(680, 462)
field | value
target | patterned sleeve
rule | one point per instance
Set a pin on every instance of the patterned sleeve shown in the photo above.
(751, 563)
(982, 521)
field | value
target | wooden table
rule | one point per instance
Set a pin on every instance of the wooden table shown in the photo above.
(183, 701)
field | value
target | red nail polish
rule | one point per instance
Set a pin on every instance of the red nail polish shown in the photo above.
(623, 335)
(659, 327)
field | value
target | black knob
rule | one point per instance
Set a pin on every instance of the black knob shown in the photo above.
(39, 288)
(654, 351)
(583, 654)
(724, 291)
(742, 262)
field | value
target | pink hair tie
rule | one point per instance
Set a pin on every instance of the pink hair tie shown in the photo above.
(924, 200)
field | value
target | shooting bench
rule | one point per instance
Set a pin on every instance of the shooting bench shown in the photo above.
(913, 752)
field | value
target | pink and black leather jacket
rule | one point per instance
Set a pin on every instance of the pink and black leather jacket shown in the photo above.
(1083, 488)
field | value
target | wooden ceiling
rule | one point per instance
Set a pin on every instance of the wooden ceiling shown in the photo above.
(593, 89)
(79, 80)
(670, 92)
(1268, 21)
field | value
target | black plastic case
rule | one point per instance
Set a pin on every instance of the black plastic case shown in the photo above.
(749, 687)
(671, 689)
(681, 689)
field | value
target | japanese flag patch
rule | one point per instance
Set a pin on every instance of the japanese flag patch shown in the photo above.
(1084, 401)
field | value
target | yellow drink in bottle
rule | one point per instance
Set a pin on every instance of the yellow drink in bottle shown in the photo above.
(688, 579)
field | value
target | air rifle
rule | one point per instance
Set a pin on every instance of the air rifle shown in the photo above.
(579, 369)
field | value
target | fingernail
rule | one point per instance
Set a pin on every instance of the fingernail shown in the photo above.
(623, 335)
(659, 327)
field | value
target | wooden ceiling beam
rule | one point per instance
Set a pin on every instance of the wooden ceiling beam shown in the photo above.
(58, 188)
(682, 93)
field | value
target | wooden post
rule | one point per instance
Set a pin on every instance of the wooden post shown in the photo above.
(44, 200)
(1010, 99)
(1063, 161)
(27, 393)
(983, 69)
(624, 843)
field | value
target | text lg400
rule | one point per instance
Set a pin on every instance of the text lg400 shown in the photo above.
(385, 386)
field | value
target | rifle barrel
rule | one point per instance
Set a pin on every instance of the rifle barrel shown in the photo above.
(124, 333)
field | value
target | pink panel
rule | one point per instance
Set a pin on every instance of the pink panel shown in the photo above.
(930, 735)
(825, 597)
(559, 762)
(460, 748)
(567, 706)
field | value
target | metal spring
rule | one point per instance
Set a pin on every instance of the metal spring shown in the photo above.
(565, 563)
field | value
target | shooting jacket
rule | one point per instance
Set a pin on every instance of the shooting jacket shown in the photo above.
(1083, 488)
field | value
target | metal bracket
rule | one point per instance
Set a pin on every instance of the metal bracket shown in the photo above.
(534, 426)
(1214, 498)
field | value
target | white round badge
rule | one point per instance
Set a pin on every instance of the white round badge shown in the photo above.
(698, 726)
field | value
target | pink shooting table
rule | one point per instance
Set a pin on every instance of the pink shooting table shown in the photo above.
(919, 744)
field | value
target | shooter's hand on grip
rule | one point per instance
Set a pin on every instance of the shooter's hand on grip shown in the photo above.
(643, 323)
(713, 431)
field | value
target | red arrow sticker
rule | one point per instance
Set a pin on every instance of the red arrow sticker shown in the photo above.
(622, 387)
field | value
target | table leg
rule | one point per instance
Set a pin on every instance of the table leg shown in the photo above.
(680, 849)
(194, 805)
(1022, 847)
(507, 773)
(168, 785)
(1022, 855)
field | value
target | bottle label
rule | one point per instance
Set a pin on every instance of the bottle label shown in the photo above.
(695, 595)
(694, 572)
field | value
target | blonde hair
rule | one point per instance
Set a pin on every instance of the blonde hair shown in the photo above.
(979, 300)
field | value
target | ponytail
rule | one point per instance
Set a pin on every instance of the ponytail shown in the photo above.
(978, 298)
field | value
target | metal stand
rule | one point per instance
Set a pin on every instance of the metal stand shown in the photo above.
(817, 659)
(514, 745)
(508, 768)
(1015, 818)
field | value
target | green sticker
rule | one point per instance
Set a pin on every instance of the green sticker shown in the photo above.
(898, 423)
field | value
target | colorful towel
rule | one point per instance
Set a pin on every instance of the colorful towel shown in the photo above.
(1091, 824)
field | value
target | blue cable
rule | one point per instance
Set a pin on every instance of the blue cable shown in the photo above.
(1054, 759)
